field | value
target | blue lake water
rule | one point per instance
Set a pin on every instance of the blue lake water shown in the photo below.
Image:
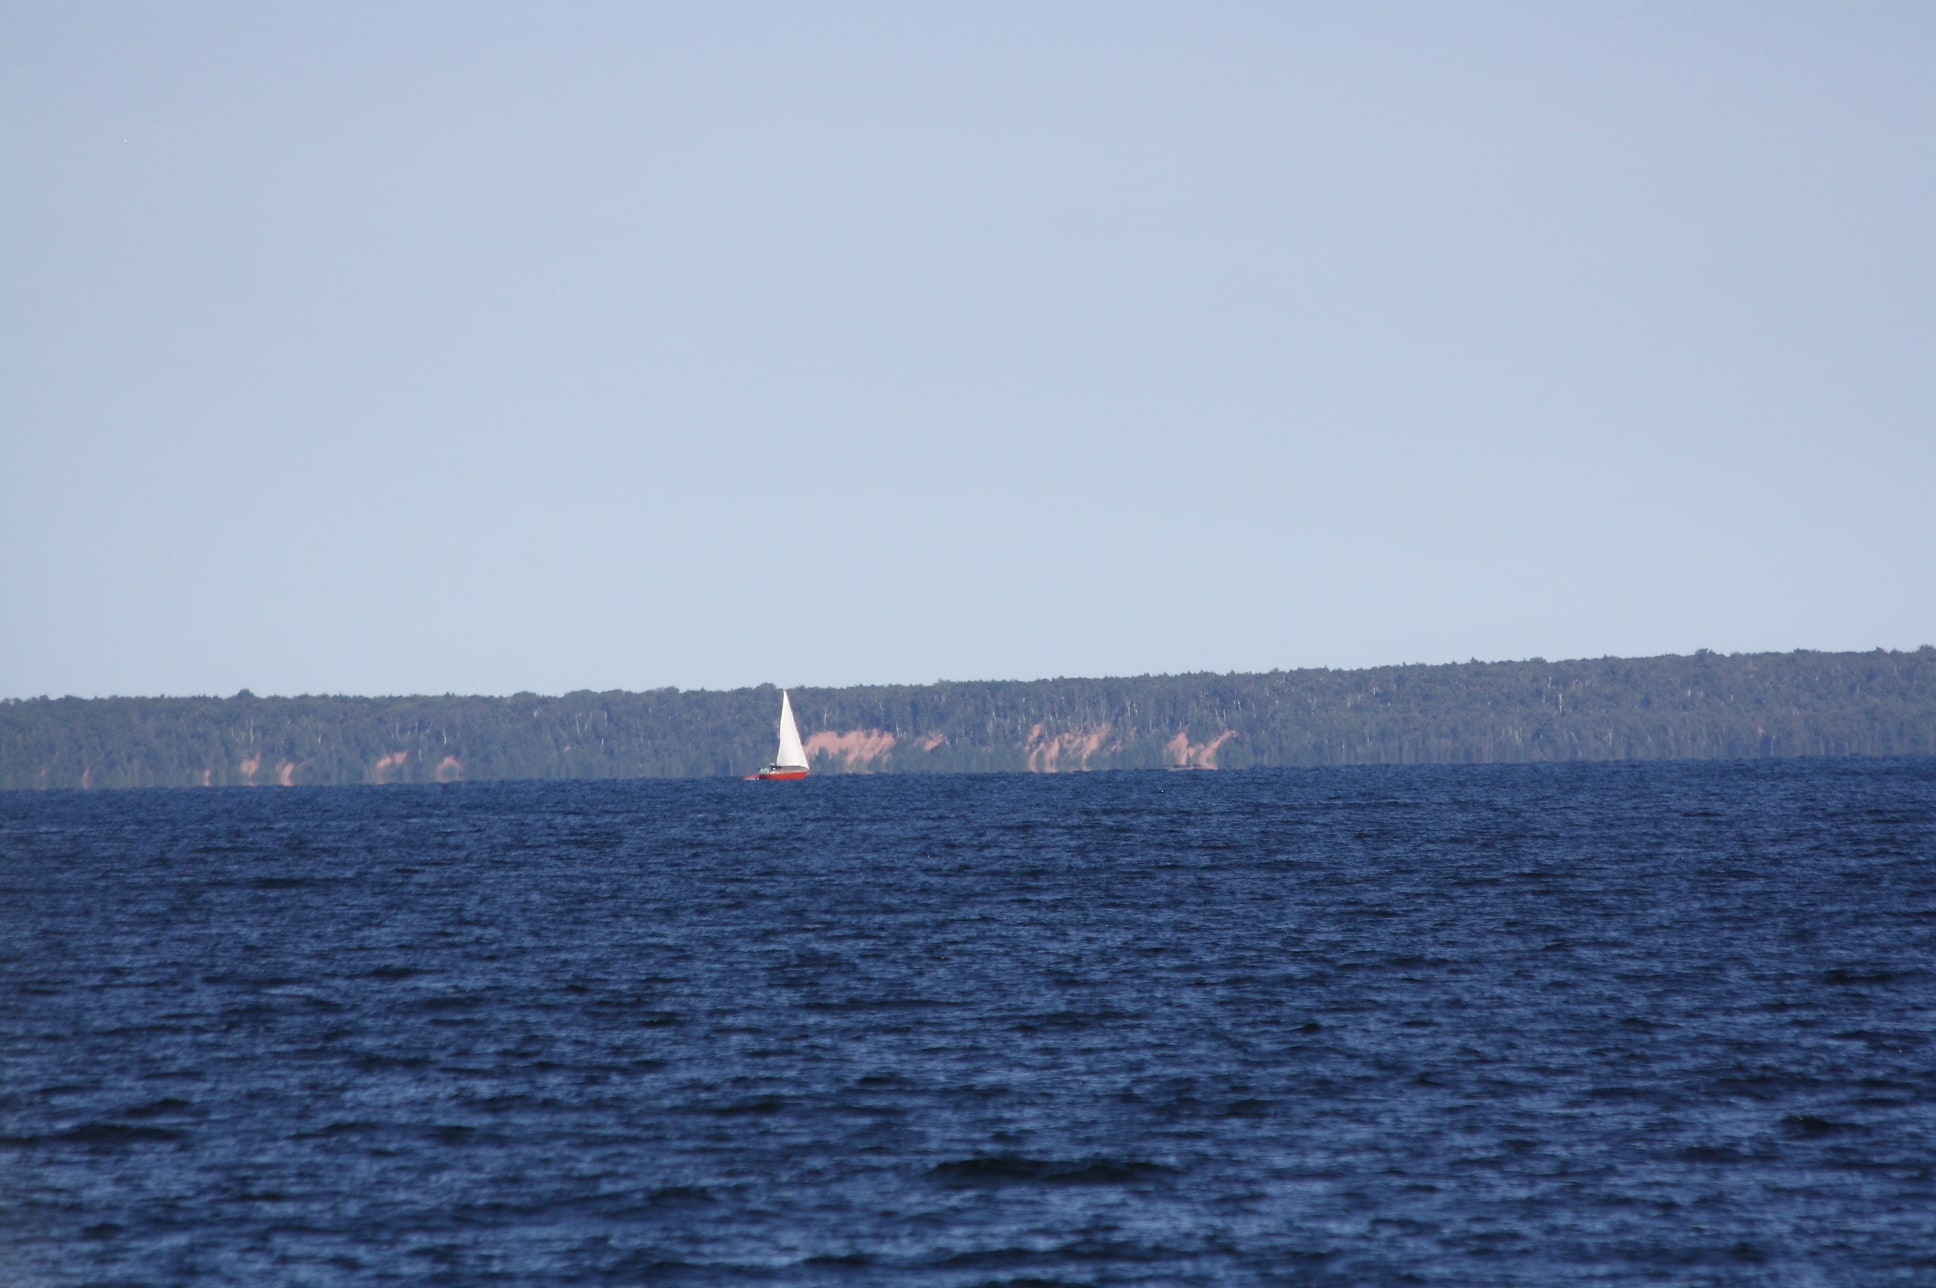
(1613, 1024)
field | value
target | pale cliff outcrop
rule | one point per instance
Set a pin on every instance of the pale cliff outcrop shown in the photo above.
(1050, 753)
(856, 750)
(1203, 755)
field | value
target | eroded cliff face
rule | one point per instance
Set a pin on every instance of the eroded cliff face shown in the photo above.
(1047, 749)
(857, 751)
(1203, 755)
(861, 751)
(1071, 749)
(282, 775)
(390, 767)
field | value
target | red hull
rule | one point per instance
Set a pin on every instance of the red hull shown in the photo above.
(781, 777)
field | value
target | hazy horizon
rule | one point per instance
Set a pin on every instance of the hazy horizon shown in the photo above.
(951, 679)
(483, 349)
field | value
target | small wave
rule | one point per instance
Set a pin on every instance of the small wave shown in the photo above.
(757, 1105)
(1642, 1095)
(1764, 1086)
(1249, 1107)
(251, 981)
(879, 1004)
(155, 1108)
(451, 1002)
(1810, 1125)
(1005, 1169)
(1856, 975)
(884, 1080)
(630, 1014)
(1065, 1020)
(351, 1127)
(682, 1194)
(112, 1133)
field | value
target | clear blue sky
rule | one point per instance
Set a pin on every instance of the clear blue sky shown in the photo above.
(382, 349)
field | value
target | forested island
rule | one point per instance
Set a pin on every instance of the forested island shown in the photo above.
(1704, 706)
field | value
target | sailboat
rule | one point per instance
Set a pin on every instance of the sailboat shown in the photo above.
(791, 759)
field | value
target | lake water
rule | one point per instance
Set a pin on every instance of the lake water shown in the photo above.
(1612, 1024)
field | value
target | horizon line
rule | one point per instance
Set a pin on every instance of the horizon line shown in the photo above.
(245, 692)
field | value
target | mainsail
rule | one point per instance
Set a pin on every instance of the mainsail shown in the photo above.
(791, 754)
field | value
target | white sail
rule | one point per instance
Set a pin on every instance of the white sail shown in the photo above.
(791, 755)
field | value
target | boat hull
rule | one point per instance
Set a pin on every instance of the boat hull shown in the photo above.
(790, 761)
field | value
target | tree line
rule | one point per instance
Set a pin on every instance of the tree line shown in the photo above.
(1703, 706)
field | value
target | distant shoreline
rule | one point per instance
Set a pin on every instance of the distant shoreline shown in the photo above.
(1696, 707)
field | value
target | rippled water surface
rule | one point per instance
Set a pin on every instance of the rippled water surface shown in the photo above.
(1585, 1024)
